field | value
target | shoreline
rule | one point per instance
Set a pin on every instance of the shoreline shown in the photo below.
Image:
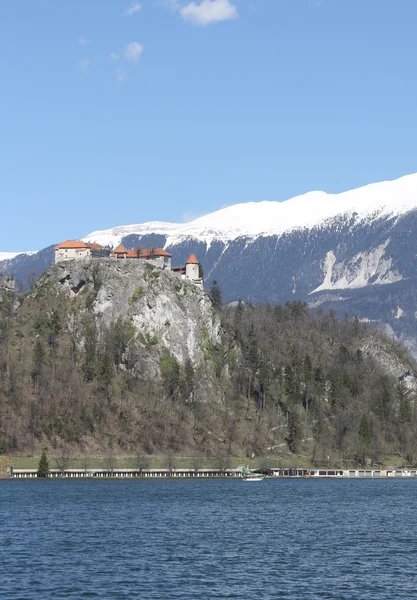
(57, 474)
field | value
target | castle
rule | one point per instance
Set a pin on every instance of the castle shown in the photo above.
(158, 257)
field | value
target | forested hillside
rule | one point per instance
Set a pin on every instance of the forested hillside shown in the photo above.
(268, 381)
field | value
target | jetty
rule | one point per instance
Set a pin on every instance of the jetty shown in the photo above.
(208, 473)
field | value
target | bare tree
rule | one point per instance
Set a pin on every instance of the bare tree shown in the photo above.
(62, 461)
(110, 461)
(170, 465)
(142, 463)
(197, 462)
(223, 462)
(85, 462)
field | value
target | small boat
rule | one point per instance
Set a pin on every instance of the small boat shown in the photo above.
(249, 475)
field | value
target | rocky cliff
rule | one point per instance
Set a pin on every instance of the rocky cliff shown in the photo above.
(166, 312)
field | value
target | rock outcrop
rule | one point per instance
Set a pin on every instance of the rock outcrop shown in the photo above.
(167, 312)
(7, 284)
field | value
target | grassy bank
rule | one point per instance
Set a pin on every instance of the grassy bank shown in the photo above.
(179, 462)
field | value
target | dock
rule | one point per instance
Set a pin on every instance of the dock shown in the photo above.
(209, 473)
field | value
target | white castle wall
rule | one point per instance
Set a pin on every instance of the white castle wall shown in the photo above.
(63, 254)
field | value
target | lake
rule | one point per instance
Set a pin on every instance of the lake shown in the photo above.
(286, 538)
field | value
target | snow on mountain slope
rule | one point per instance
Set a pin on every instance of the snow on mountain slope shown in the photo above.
(10, 255)
(253, 219)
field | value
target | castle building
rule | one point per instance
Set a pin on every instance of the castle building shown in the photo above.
(158, 257)
(192, 268)
(190, 272)
(76, 249)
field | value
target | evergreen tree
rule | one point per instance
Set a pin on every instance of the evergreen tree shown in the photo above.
(404, 407)
(252, 349)
(170, 373)
(238, 314)
(38, 359)
(188, 378)
(54, 328)
(106, 368)
(365, 438)
(216, 295)
(43, 467)
(294, 429)
(90, 350)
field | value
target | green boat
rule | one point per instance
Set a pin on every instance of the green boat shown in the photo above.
(249, 475)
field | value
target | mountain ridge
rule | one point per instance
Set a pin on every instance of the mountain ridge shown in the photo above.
(362, 262)
(264, 218)
(306, 211)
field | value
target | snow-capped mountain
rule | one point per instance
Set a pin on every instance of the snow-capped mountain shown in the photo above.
(355, 252)
(9, 255)
(254, 219)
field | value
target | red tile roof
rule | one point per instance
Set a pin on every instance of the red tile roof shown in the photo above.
(192, 260)
(148, 252)
(132, 254)
(95, 246)
(120, 249)
(161, 252)
(73, 244)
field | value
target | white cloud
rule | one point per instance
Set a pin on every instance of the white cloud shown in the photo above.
(121, 75)
(114, 57)
(83, 42)
(85, 63)
(208, 11)
(132, 9)
(133, 51)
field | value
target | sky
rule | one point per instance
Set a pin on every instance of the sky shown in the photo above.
(114, 112)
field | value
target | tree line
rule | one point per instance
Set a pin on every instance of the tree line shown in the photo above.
(282, 382)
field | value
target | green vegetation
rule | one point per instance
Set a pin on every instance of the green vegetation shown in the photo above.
(151, 273)
(147, 339)
(136, 295)
(170, 373)
(215, 295)
(280, 385)
(43, 467)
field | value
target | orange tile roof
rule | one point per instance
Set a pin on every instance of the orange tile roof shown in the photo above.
(192, 260)
(95, 246)
(148, 252)
(132, 254)
(161, 252)
(120, 249)
(73, 244)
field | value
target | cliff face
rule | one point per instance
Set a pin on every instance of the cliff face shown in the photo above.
(7, 285)
(166, 312)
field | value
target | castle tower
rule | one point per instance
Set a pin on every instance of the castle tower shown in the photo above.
(192, 268)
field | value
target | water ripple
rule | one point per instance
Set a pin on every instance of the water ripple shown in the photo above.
(289, 539)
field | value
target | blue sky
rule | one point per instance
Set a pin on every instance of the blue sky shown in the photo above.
(111, 113)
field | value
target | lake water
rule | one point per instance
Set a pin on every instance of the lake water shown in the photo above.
(298, 539)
